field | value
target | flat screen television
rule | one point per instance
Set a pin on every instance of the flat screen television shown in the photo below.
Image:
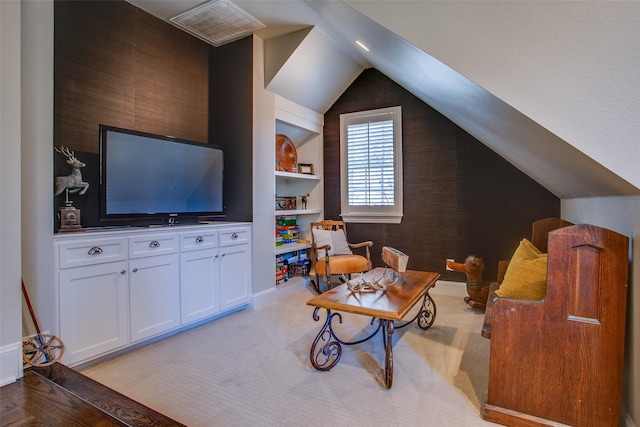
(143, 175)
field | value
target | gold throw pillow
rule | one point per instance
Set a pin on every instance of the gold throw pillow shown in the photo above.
(526, 275)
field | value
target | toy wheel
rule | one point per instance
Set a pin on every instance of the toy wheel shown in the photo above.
(42, 350)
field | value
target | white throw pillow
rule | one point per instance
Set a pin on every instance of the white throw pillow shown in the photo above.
(321, 238)
(339, 243)
(333, 238)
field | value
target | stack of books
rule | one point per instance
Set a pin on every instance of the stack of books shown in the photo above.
(291, 264)
(287, 230)
(282, 270)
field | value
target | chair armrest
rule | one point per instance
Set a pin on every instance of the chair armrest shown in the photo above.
(502, 269)
(361, 245)
(326, 248)
(366, 245)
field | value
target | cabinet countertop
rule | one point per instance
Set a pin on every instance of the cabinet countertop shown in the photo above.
(115, 230)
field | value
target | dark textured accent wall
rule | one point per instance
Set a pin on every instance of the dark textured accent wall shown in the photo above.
(460, 198)
(115, 64)
(118, 65)
(231, 123)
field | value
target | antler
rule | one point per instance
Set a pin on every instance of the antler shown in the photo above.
(65, 151)
(362, 285)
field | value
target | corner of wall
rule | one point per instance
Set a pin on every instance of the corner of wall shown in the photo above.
(10, 194)
(263, 178)
(10, 363)
(627, 421)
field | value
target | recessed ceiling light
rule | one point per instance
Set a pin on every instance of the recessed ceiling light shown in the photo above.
(359, 43)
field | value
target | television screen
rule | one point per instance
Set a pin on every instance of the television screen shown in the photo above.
(145, 175)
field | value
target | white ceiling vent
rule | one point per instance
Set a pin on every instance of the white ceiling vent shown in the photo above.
(217, 22)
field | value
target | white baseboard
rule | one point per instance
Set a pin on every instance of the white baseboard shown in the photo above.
(292, 285)
(444, 287)
(10, 363)
(272, 294)
(263, 298)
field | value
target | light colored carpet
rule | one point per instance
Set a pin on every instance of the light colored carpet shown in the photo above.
(252, 368)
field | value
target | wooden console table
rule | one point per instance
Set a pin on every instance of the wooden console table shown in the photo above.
(387, 308)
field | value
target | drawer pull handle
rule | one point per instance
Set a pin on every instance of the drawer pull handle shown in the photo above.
(154, 244)
(123, 272)
(199, 239)
(96, 250)
(223, 255)
(135, 270)
(234, 236)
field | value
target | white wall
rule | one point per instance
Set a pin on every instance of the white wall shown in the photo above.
(264, 184)
(620, 214)
(572, 67)
(10, 293)
(37, 160)
(267, 109)
(26, 170)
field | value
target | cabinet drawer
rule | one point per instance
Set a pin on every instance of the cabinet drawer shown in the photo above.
(198, 240)
(78, 253)
(151, 245)
(234, 236)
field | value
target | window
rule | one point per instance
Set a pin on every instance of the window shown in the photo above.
(371, 165)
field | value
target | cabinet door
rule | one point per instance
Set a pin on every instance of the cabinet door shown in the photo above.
(93, 310)
(235, 276)
(199, 285)
(154, 294)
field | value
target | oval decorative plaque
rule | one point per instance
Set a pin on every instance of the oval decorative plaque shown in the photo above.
(286, 154)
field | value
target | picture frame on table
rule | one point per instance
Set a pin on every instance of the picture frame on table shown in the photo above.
(305, 168)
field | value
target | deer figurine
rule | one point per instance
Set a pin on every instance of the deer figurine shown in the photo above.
(73, 182)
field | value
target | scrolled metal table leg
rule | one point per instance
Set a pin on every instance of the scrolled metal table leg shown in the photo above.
(426, 316)
(326, 349)
(427, 313)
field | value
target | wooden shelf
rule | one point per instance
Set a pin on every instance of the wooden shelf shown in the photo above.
(292, 175)
(298, 212)
(291, 247)
(304, 128)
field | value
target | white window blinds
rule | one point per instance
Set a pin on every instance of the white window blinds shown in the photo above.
(370, 161)
(371, 165)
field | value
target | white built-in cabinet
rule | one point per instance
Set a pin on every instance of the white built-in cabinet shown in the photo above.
(235, 267)
(122, 287)
(199, 276)
(304, 128)
(154, 285)
(94, 309)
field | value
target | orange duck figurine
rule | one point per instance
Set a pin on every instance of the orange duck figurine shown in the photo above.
(477, 287)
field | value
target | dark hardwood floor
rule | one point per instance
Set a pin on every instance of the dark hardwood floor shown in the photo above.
(59, 396)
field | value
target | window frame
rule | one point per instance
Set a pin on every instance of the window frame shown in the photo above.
(372, 213)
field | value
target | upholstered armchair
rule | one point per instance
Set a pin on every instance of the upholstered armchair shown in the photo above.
(332, 253)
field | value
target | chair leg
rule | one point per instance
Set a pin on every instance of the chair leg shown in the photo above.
(314, 284)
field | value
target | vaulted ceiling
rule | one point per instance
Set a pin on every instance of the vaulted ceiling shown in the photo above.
(550, 87)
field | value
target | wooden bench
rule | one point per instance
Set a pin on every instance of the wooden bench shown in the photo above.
(559, 360)
(540, 230)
